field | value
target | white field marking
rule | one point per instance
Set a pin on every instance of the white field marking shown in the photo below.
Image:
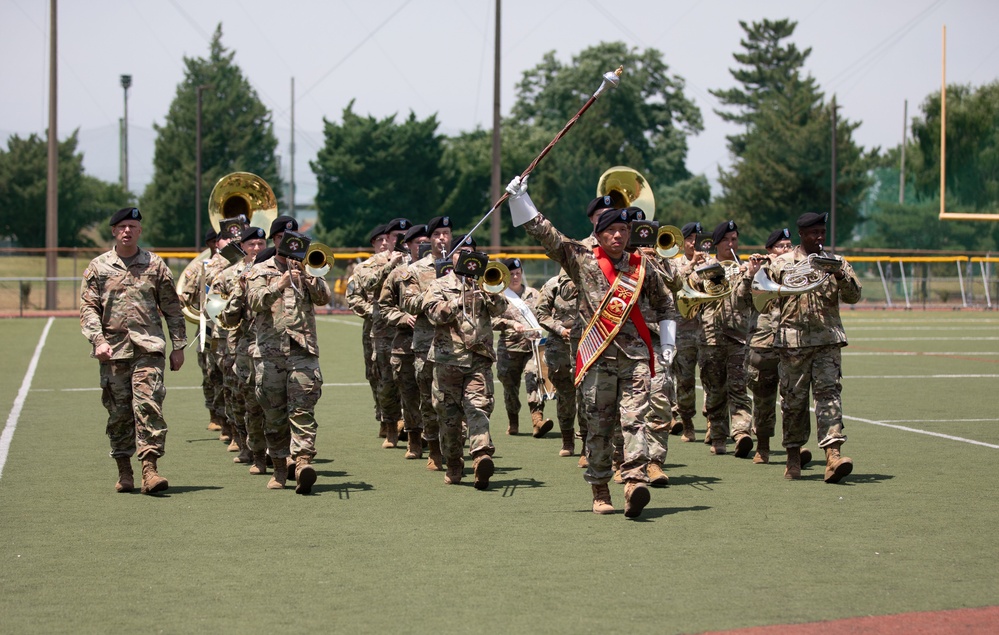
(337, 321)
(900, 321)
(15, 412)
(914, 353)
(935, 420)
(918, 431)
(326, 385)
(921, 376)
(924, 339)
(988, 327)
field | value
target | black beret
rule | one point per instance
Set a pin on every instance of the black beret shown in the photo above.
(376, 232)
(211, 235)
(723, 228)
(438, 222)
(610, 216)
(463, 240)
(810, 219)
(125, 213)
(512, 263)
(232, 228)
(415, 232)
(398, 224)
(778, 235)
(635, 213)
(251, 233)
(599, 203)
(691, 228)
(283, 223)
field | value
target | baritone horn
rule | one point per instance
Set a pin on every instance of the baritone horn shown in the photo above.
(668, 241)
(495, 278)
(628, 188)
(318, 260)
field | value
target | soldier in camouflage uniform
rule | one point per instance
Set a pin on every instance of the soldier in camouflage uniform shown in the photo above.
(289, 380)
(725, 324)
(515, 354)
(616, 386)
(688, 338)
(556, 312)
(123, 293)
(420, 275)
(403, 361)
(809, 339)
(370, 276)
(462, 354)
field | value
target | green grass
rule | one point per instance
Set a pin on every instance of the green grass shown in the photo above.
(385, 545)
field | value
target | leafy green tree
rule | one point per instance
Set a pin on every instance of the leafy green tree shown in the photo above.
(370, 171)
(83, 200)
(643, 124)
(782, 161)
(237, 135)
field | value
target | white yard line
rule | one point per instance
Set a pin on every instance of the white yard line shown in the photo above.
(917, 431)
(326, 385)
(915, 353)
(924, 339)
(15, 412)
(934, 420)
(920, 376)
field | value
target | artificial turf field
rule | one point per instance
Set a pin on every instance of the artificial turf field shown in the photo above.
(383, 545)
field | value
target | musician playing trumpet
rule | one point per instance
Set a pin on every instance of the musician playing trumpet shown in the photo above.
(809, 340)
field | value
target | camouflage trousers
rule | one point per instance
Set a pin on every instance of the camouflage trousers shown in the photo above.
(389, 406)
(580, 405)
(132, 391)
(235, 406)
(819, 368)
(425, 382)
(216, 380)
(616, 396)
(723, 376)
(370, 369)
(761, 370)
(560, 373)
(662, 398)
(404, 374)
(254, 414)
(684, 369)
(288, 389)
(510, 366)
(464, 394)
(206, 380)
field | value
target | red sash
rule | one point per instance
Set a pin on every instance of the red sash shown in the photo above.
(620, 303)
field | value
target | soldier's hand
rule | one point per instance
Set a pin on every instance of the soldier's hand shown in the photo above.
(667, 355)
(103, 352)
(177, 359)
(409, 320)
(699, 257)
(516, 187)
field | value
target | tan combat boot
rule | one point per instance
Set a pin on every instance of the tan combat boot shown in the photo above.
(514, 428)
(213, 425)
(400, 429)
(391, 436)
(676, 427)
(616, 466)
(245, 454)
(657, 478)
(435, 460)
(583, 463)
(305, 475)
(225, 435)
(602, 499)
(259, 463)
(126, 482)
(806, 456)
(792, 471)
(689, 435)
(743, 445)
(568, 443)
(292, 467)
(414, 444)
(280, 475)
(838, 467)
(382, 430)
(636, 497)
(455, 469)
(151, 481)
(541, 425)
(762, 450)
(718, 447)
(483, 468)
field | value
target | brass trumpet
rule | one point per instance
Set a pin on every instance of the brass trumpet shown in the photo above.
(669, 242)
(495, 278)
(318, 260)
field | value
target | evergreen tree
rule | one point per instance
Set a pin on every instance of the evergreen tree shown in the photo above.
(237, 135)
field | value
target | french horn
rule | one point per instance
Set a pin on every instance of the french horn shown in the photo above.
(798, 279)
(717, 282)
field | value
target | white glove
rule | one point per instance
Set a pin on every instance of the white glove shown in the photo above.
(669, 352)
(522, 208)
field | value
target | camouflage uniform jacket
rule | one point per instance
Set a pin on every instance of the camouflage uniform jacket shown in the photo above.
(121, 306)
(370, 275)
(557, 303)
(812, 319)
(457, 339)
(582, 267)
(191, 297)
(390, 307)
(239, 317)
(225, 285)
(728, 318)
(687, 326)
(420, 275)
(671, 275)
(357, 300)
(763, 326)
(510, 339)
(284, 316)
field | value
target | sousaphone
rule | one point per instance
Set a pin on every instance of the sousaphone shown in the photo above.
(627, 188)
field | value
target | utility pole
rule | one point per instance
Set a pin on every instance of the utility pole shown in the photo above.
(832, 214)
(126, 83)
(291, 152)
(496, 184)
(52, 191)
(197, 171)
(901, 170)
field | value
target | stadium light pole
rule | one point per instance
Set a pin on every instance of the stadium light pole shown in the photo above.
(197, 170)
(52, 191)
(126, 83)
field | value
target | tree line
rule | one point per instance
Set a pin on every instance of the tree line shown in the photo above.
(372, 169)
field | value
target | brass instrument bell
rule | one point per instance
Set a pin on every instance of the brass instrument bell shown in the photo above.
(629, 188)
(242, 193)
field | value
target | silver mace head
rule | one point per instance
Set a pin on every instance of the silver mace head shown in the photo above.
(611, 79)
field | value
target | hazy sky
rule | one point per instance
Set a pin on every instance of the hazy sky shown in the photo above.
(435, 56)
